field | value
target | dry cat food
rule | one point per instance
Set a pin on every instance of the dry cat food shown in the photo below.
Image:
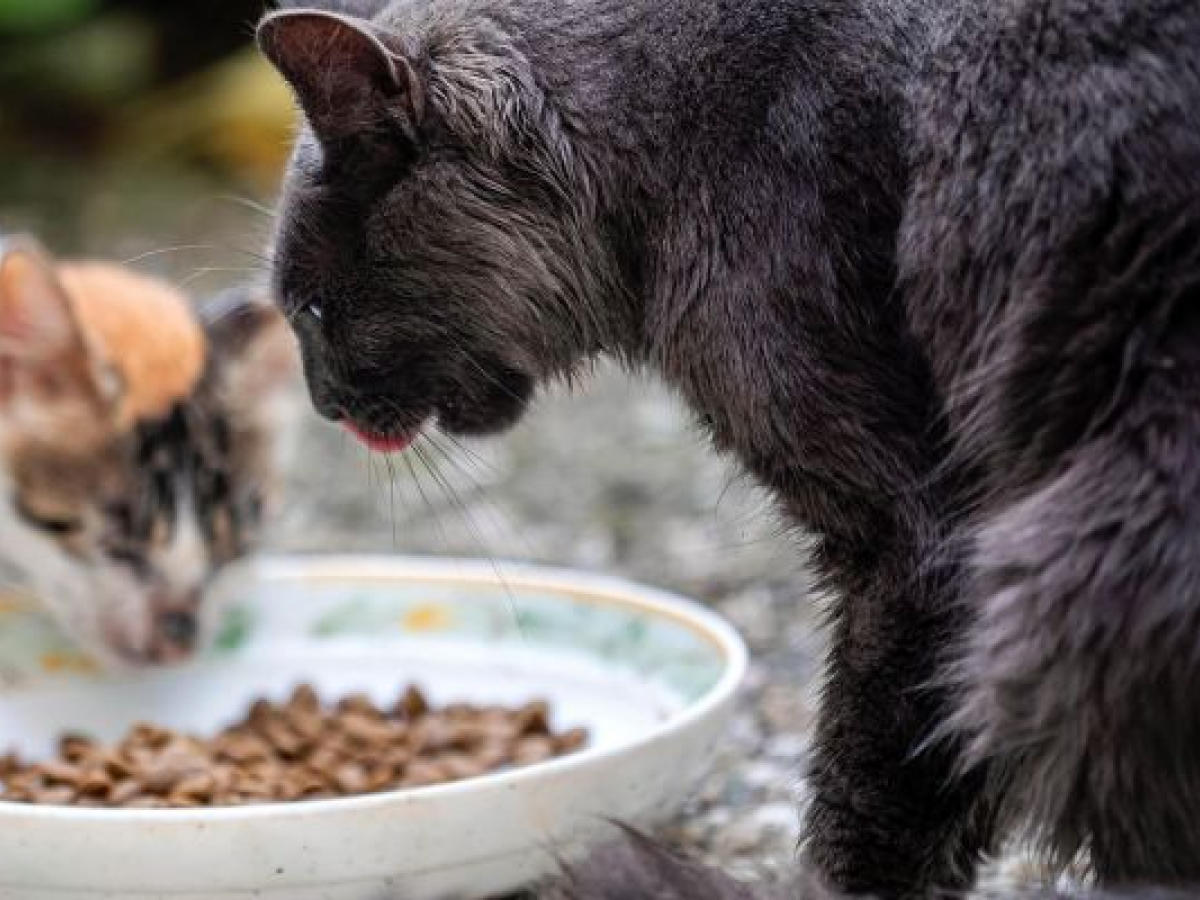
(297, 750)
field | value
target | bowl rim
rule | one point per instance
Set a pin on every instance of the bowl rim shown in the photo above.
(576, 584)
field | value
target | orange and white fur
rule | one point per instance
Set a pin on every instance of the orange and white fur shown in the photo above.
(138, 440)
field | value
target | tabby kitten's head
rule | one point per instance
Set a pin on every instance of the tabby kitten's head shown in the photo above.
(437, 249)
(136, 446)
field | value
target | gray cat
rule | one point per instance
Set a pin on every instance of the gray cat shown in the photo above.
(930, 271)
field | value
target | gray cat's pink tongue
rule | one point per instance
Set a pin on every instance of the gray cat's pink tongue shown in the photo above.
(380, 443)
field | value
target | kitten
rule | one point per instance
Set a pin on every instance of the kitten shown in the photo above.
(136, 446)
(929, 270)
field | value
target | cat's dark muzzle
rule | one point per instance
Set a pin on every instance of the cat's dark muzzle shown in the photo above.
(492, 402)
(396, 410)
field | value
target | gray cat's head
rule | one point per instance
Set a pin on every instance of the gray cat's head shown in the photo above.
(436, 251)
(136, 447)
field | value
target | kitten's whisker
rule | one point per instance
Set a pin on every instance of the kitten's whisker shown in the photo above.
(216, 270)
(179, 248)
(163, 251)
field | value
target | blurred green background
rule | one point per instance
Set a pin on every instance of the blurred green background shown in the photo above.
(134, 126)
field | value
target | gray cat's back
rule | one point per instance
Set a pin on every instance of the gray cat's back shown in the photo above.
(1038, 131)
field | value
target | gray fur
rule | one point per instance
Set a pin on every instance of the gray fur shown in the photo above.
(929, 271)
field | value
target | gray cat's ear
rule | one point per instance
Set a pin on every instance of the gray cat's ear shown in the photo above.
(346, 77)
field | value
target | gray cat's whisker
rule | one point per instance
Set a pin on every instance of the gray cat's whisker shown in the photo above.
(490, 508)
(465, 513)
(437, 519)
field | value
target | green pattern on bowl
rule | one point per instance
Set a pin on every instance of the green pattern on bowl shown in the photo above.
(235, 629)
(610, 632)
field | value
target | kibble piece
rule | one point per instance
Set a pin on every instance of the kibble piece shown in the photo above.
(172, 766)
(242, 748)
(458, 766)
(422, 773)
(149, 736)
(197, 786)
(359, 703)
(431, 735)
(96, 783)
(285, 741)
(75, 748)
(308, 725)
(493, 755)
(304, 701)
(61, 773)
(364, 729)
(534, 718)
(261, 711)
(351, 779)
(57, 795)
(412, 704)
(534, 749)
(124, 792)
(571, 741)
(114, 763)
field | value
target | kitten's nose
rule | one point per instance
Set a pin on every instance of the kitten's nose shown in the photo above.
(176, 631)
(178, 627)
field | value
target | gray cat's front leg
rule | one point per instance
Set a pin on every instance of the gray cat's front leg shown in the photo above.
(889, 818)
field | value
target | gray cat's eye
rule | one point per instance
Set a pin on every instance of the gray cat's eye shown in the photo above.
(315, 310)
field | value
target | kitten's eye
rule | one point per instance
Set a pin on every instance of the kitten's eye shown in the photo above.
(58, 526)
(315, 311)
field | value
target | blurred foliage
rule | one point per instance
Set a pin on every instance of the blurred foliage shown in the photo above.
(30, 16)
(115, 112)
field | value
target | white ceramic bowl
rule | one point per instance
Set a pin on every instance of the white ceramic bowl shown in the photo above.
(653, 676)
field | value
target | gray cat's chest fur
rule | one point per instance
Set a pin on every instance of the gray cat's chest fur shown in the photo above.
(931, 271)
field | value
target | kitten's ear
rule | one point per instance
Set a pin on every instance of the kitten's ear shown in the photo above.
(346, 78)
(44, 352)
(37, 322)
(258, 354)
